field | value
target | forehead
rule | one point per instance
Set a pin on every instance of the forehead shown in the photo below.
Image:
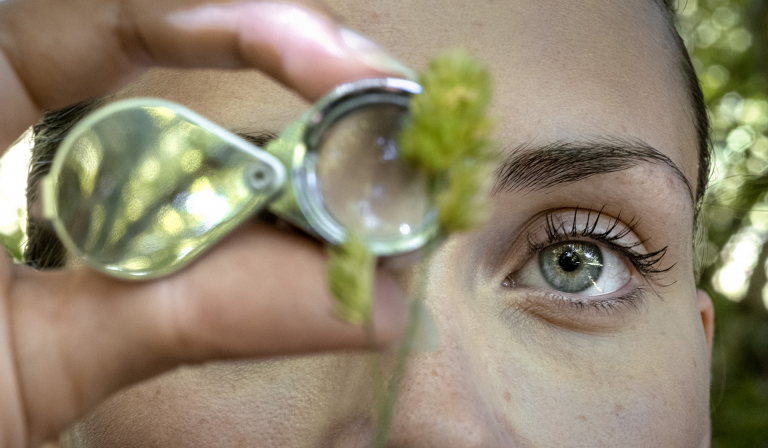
(562, 70)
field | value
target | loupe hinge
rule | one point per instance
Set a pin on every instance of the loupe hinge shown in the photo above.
(264, 179)
(266, 176)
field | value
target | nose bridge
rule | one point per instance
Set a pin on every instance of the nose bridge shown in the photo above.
(442, 402)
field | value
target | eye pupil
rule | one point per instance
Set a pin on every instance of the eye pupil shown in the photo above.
(569, 260)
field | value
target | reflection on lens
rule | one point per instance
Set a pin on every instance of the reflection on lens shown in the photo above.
(364, 185)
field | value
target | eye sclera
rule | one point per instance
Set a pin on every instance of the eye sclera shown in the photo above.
(613, 275)
(606, 312)
(591, 226)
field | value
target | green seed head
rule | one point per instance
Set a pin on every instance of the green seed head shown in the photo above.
(350, 279)
(448, 138)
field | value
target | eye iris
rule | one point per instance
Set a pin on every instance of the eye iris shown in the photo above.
(572, 266)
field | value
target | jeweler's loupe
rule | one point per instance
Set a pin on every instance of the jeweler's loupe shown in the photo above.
(141, 187)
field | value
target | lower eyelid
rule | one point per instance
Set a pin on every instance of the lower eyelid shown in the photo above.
(578, 313)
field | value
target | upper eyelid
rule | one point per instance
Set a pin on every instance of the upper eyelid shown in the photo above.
(647, 263)
(601, 227)
(505, 251)
(610, 230)
(612, 225)
(535, 225)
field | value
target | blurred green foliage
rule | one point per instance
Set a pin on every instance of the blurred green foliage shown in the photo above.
(13, 181)
(728, 40)
(12, 243)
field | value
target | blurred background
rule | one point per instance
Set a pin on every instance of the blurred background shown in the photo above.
(728, 40)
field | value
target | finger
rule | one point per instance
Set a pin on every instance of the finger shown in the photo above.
(80, 336)
(54, 53)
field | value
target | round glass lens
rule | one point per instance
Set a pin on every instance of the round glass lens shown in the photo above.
(365, 186)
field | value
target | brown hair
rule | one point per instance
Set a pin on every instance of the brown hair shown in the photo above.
(44, 250)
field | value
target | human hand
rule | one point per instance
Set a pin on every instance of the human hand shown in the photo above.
(69, 339)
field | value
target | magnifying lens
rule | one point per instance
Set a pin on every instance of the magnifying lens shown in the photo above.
(141, 187)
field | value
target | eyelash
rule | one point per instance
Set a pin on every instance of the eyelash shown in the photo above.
(648, 265)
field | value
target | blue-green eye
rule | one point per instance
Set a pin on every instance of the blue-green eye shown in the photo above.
(572, 266)
(575, 267)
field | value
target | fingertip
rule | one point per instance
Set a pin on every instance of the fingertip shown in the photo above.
(371, 54)
(308, 50)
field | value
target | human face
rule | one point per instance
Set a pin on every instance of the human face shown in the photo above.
(519, 363)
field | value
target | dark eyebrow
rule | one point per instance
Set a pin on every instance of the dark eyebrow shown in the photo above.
(534, 168)
(258, 138)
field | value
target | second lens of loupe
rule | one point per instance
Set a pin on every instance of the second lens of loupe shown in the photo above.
(364, 185)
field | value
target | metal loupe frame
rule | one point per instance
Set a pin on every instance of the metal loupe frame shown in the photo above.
(270, 187)
(292, 157)
(343, 100)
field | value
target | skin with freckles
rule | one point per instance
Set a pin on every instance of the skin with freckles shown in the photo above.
(519, 363)
(512, 369)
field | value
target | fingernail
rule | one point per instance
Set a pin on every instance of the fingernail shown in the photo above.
(426, 338)
(373, 55)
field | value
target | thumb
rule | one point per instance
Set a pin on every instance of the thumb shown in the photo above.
(54, 53)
